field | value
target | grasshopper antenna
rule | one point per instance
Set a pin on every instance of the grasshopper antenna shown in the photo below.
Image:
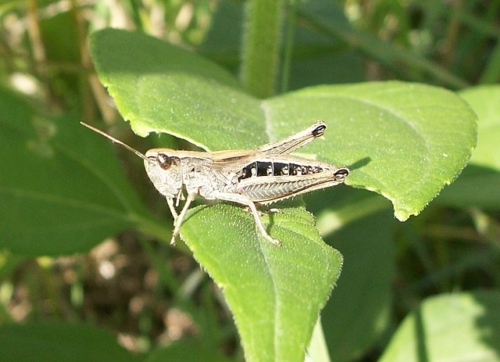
(114, 140)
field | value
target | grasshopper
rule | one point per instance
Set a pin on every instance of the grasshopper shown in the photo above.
(248, 177)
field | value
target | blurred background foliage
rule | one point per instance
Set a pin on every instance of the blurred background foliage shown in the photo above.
(123, 284)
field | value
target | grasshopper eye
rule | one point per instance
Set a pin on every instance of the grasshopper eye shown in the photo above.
(164, 161)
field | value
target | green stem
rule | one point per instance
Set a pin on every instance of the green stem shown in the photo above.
(289, 41)
(318, 350)
(261, 43)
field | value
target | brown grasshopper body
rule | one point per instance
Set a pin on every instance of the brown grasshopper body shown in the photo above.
(261, 176)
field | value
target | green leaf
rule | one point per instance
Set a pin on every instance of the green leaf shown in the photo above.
(152, 81)
(58, 341)
(274, 293)
(453, 327)
(478, 185)
(485, 101)
(404, 141)
(62, 189)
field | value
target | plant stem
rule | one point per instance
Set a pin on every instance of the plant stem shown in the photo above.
(289, 41)
(318, 350)
(261, 43)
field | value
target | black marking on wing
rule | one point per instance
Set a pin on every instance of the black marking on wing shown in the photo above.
(267, 168)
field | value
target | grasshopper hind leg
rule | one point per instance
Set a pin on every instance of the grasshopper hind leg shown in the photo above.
(260, 226)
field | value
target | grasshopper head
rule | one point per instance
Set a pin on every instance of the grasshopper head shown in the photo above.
(164, 171)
